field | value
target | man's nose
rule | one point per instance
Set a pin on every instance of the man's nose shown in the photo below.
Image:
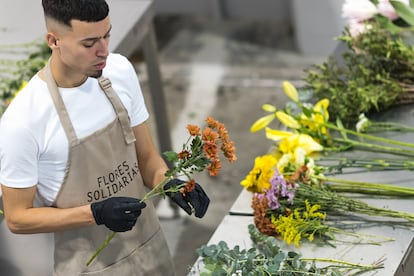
(103, 48)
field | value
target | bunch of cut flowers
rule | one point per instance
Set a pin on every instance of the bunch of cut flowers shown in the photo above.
(294, 199)
(200, 152)
(372, 69)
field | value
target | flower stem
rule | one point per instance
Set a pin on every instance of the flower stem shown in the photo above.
(332, 202)
(370, 137)
(349, 186)
(386, 149)
(157, 190)
(377, 265)
(387, 126)
(103, 245)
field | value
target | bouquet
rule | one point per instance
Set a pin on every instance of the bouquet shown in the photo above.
(293, 198)
(200, 152)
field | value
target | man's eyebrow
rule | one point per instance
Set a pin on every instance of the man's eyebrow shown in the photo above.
(98, 37)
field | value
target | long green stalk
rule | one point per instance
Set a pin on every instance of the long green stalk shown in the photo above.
(157, 190)
(369, 187)
(332, 202)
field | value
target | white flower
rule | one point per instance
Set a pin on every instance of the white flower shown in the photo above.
(386, 9)
(359, 10)
(284, 161)
(300, 155)
(363, 123)
(356, 28)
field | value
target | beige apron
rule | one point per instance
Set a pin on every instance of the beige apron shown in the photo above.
(103, 165)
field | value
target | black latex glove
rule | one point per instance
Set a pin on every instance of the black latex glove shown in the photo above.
(196, 199)
(119, 214)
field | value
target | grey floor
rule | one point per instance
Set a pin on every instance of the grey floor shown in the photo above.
(226, 70)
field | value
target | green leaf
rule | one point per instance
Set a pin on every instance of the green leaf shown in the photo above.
(171, 156)
(404, 11)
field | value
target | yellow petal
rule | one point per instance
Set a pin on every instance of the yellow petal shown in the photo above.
(287, 120)
(307, 143)
(276, 135)
(262, 122)
(290, 91)
(322, 107)
(269, 108)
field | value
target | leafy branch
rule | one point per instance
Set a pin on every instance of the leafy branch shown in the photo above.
(265, 257)
(377, 72)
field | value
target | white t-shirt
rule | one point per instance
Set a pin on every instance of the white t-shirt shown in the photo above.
(33, 144)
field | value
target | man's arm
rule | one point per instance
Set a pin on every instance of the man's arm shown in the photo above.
(152, 166)
(23, 218)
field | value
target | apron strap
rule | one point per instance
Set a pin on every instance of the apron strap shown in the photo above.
(123, 117)
(60, 106)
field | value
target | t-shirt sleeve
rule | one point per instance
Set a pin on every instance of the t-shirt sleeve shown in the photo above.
(18, 156)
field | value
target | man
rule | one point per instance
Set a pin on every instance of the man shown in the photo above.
(76, 154)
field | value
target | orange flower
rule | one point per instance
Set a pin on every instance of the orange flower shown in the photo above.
(189, 186)
(211, 150)
(222, 131)
(261, 219)
(184, 155)
(214, 167)
(209, 135)
(193, 130)
(211, 122)
(229, 150)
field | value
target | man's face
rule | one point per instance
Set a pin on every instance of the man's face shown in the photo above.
(84, 49)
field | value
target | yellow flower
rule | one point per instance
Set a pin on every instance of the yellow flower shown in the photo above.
(258, 179)
(262, 122)
(287, 120)
(265, 120)
(269, 108)
(290, 91)
(276, 135)
(290, 142)
(300, 224)
(319, 117)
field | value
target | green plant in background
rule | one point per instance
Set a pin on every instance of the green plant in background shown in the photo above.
(376, 72)
(266, 257)
(377, 69)
(15, 73)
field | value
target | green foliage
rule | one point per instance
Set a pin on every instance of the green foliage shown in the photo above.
(376, 70)
(194, 161)
(14, 73)
(265, 258)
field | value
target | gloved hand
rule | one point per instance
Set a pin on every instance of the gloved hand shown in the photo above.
(119, 214)
(197, 198)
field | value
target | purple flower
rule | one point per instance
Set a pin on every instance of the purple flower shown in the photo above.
(279, 189)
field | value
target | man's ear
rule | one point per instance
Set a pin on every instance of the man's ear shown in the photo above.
(52, 41)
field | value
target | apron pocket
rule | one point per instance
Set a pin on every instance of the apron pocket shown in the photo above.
(151, 258)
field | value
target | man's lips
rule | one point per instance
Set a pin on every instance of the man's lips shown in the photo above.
(100, 66)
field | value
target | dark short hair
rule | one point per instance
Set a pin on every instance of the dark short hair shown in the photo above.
(64, 11)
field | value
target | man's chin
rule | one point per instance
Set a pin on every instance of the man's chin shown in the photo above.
(96, 74)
